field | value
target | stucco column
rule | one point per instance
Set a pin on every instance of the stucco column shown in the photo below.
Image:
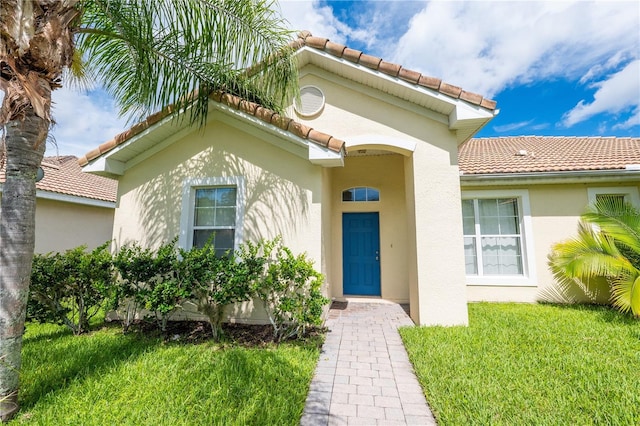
(436, 260)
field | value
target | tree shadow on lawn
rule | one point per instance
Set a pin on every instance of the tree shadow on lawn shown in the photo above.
(47, 336)
(53, 361)
(605, 313)
(267, 387)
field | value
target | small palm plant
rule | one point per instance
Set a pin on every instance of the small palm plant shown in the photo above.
(607, 246)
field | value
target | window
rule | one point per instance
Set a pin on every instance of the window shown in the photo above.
(211, 212)
(627, 193)
(497, 237)
(214, 218)
(361, 194)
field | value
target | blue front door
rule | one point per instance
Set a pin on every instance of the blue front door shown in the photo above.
(361, 254)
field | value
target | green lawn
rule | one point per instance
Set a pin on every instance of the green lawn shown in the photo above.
(110, 378)
(520, 364)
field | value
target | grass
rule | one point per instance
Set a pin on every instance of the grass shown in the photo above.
(110, 378)
(531, 364)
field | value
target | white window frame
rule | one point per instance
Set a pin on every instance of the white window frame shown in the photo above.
(630, 193)
(189, 187)
(367, 188)
(528, 278)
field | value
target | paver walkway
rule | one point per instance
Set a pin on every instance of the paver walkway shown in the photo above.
(364, 376)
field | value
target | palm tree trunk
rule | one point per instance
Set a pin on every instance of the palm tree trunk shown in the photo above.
(25, 144)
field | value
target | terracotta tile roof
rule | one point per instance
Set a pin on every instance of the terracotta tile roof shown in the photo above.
(526, 154)
(63, 175)
(265, 114)
(305, 38)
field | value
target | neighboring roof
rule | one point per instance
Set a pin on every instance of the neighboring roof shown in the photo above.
(533, 154)
(305, 38)
(63, 175)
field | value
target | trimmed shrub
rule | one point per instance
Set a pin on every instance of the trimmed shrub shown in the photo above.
(70, 288)
(216, 282)
(148, 279)
(289, 287)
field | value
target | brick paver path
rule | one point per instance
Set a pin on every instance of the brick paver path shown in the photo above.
(364, 376)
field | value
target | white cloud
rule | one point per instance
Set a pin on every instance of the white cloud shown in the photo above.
(487, 46)
(375, 24)
(619, 92)
(634, 120)
(83, 121)
(310, 16)
(512, 126)
(600, 69)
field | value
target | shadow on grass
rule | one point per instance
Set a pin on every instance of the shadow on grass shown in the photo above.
(52, 361)
(46, 336)
(265, 385)
(606, 313)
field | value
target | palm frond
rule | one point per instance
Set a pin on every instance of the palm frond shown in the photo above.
(607, 246)
(150, 54)
(590, 254)
(618, 219)
(625, 293)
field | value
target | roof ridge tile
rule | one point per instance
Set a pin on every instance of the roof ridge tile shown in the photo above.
(305, 38)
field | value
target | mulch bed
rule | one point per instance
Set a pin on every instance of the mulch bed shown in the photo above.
(247, 335)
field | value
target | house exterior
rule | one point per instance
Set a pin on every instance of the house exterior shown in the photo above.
(547, 182)
(73, 208)
(362, 174)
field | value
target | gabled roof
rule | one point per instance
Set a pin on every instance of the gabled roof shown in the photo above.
(467, 121)
(264, 114)
(305, 38)
(63, 175)
(540, 154)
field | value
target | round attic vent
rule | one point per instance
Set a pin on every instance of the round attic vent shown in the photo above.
(311, 101)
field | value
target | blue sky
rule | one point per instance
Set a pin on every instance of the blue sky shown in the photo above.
(555, 68)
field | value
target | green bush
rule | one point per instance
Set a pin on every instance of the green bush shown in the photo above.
(46, 295)
(289, 287)
(216, 282)
(70, 288)
(135, 267)
(148, 279)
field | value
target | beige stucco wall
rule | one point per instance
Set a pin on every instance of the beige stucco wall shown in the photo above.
(283, 192)
(62, 225)
(437, 279)
(555, 211)
(421, 183)
(355, 113)
(327, 232)
(365, 172)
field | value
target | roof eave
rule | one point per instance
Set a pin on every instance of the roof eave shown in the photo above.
(541, 178)
(116, 161)
(71, 198)
(463, 117)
